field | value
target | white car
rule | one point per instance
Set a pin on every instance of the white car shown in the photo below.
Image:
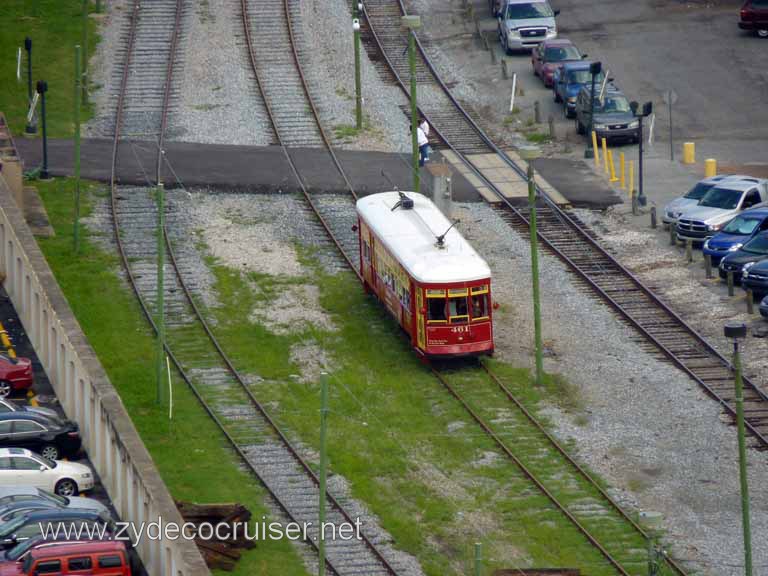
(674, 209)
(21, 466)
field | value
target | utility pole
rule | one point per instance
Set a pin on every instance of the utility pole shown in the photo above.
(84, 86)
(478, 558)
(42, 88)
(413, 23)
(76, 232)
(323, 467)
(30, 128)
(358, 84)
(594, 69)
(160, 287)
(535, 276)
(738, 331)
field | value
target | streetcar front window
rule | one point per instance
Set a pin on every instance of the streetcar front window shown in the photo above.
(457, 309)
(436, 310)
(479, 307)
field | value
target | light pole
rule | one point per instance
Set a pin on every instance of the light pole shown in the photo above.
(412, 23)
(323, 468)
(594, 70)
(535, 277)
(42, 88)
(358, 88)
(738, 331)
(31, 127)
(647, 111)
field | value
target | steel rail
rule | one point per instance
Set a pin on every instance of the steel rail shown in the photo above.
(583, 235)
(528, 473)
(126, 263)
(259, 81)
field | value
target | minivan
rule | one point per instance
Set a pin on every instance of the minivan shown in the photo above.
(524, 24)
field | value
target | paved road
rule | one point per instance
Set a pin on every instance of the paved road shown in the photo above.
(695, 48)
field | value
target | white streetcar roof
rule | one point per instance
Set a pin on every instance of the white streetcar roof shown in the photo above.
(410, 235)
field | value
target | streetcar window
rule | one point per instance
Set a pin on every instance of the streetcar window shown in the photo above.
(366, 251)
(436, 310)
(479, 307)
(457, 309)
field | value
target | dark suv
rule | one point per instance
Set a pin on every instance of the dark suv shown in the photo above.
(613, 118)
(52, 438)
(754, 17)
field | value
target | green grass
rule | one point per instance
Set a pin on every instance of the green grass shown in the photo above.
(54, 26)
(190, 453)
(393, 432)
(538, 137)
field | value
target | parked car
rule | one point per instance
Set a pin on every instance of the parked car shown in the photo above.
(567, 82)
(7, 405)
(15, 375)
(754, 17)
(32, 524)
(20, 466)
(764, 307)
(741, 260)
(736, 233)
(96, 558)
(525, 23)
(719, 206)
(15, 499)
(613, 118)
(679, 205)
(551, 54)
(755, 278)
(51, 438)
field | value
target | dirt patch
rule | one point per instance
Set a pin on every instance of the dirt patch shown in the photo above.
(311, 360)
(297, 307)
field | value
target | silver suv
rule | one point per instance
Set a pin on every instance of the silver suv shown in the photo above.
(524, 24)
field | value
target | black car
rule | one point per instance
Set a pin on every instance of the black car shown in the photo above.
(51, 438)
(755, 278)
(613, 117)
(29, 526)
(764, 307)
(744, 258)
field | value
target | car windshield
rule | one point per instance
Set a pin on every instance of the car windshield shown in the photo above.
(60, 500)
(583, 77)
(758, 245)
(698, 191)
(560, 53)
(741, 225)
(721, 198)
(12, 526)
(613, 104)
(529, 10)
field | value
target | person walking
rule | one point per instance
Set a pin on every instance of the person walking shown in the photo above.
(423, 142)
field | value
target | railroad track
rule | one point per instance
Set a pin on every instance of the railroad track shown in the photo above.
(190, 344)
(562, 233)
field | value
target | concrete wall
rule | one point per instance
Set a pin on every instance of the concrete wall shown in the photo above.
(87, 396)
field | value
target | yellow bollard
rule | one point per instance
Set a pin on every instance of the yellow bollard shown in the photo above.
(613, 167)
(596, 149)
(605, 155)
(689, 153)
(623, 185)
(710, 167)
(631, 177)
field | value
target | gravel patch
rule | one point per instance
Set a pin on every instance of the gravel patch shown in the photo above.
(296, 308)
(646, 428)
(326, 48)
(312, 359)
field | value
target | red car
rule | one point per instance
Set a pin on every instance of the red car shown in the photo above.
(550, 55)
(95, 558)
(754, 16)
(15, 374)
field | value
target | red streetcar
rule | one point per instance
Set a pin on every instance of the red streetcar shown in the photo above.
(428, 276)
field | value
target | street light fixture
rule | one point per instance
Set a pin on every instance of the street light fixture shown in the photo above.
(647, 111)
(594, 69)
(738, 331)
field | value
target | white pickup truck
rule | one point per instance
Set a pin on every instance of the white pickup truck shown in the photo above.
(719, 205)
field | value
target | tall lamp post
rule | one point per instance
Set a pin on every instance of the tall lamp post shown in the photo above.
(594, 69)
(647, 111)
(358, 88)
(738, 331)
(412, 23)
(42, 88)
(30, 128)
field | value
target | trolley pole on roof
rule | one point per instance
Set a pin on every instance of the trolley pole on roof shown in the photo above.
(535, 276)
(412, 23)
(323, 467)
